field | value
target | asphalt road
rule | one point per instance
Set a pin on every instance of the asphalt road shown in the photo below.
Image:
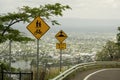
(101, 74)
(82, 75)
(104, 74)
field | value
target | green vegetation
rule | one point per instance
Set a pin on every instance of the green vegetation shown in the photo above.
(25, 14)
(4, 67)
(111, 50)
(47, 74)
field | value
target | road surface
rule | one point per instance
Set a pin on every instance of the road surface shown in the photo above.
(101, 74)
(104, 74)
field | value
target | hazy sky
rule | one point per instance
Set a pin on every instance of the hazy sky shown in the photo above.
(94, 15)
(90, 9)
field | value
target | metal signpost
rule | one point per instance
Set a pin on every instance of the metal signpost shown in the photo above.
(61, 36)
(10, 41)
(38, 28)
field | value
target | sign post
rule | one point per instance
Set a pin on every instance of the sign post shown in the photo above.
(38, 28)
(60, 60)
(10, 41)
(37, 59)
(61, 36)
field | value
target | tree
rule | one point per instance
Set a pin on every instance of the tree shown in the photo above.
(25, 14)
(118, 36)
(109, 52)
(118, 43)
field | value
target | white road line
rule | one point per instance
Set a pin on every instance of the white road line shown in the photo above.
(98, 72)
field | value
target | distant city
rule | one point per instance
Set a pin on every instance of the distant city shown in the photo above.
(81, 47)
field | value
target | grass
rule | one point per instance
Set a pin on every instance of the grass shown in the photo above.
(48, 74)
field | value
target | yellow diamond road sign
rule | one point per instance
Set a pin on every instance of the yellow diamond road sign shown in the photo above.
(38, 27)
(61, 36)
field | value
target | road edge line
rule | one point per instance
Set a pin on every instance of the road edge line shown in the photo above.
(93, 73)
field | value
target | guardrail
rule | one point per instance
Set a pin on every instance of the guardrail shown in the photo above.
(76, 67)
(69, 71)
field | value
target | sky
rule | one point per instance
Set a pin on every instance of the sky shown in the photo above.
(85, 9)
(84, 13)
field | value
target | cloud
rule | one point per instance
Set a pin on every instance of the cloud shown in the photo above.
(98, 9)
(105, 9)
